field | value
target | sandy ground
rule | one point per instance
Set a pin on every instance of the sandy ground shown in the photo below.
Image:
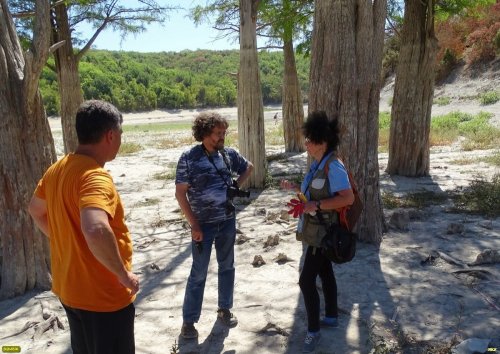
(406, 290)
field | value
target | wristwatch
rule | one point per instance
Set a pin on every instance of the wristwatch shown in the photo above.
(318, 205)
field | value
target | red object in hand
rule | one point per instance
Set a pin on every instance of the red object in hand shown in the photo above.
(296, 207)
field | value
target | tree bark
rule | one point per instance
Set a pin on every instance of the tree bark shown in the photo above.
(409, 147)
(346, 59)
(27, 150)
(250, 107)
(68, 78)
(293, 107)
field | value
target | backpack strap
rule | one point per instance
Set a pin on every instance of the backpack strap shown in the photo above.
(343, 211)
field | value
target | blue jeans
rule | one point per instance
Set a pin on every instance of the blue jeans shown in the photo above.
(223, 234)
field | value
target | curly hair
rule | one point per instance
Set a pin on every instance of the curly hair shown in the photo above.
(94, 118)
(205, 122)
(318, 129)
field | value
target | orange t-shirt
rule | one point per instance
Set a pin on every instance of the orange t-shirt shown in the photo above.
(78, 278)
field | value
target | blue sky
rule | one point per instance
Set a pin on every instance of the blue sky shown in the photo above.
(176, 34)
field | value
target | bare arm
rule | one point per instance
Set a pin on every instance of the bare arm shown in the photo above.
(102, 243)
(244, 176)
(38, 211)
(181, 196)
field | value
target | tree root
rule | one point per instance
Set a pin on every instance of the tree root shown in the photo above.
(51, 322)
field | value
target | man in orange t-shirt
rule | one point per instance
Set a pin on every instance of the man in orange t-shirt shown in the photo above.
(77, 206)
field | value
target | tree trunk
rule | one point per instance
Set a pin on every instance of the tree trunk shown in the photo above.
(346, 59)
(413, 92)
(27, 150)
(68, 77)
(251, 138)
(293, 107)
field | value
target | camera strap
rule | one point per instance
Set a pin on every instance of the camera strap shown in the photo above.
(226, 162)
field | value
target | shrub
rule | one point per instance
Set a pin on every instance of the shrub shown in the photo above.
(446, 64)
(481, 197)
(129, 148)
(493, 159)
(496, 41)
(489, 97)
(480, 44)
(476, 129)
(442, 101)
(384, 120)
(384, 123)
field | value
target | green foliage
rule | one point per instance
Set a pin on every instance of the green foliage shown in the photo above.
(496, 41)
(489, 97)
(129, 148)
(449, 58)
(384, 123)
(445, 129)
(493, 159)
(442, 101)
(446, 65)
(390, 58)
(167, 175)
(384, 120)
(481, 197)
(476, 129)
(188, 79)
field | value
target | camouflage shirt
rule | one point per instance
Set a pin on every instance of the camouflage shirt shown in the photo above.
(207, 187)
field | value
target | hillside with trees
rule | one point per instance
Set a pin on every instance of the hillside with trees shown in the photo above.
(167, 80)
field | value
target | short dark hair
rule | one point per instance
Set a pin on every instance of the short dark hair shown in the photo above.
(94, 118)
(205, 122)
(319, 129)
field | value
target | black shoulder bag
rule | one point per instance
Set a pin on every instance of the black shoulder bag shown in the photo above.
(339, 244)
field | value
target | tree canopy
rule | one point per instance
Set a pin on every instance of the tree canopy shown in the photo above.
(145, 81)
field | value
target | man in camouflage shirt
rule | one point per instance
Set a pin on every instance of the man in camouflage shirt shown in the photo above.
(204, 175)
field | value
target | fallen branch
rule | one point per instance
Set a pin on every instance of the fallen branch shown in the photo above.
(478, 273)
(486, 298)
(451, 259)
(278, 329)
(26, 326)
(51, 322)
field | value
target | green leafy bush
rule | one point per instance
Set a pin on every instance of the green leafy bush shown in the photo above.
(442, 101)
(481, 197)
(489, 97)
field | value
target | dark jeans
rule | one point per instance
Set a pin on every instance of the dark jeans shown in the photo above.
(314, 265)
(102, 332)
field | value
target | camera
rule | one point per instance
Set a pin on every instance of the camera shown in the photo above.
(235, 191)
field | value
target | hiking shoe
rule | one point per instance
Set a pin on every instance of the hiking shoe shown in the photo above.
(227, 317)
(188, 331)
(310, 342)
(331, 322)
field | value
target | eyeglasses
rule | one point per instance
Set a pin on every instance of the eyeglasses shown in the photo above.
(220, 134)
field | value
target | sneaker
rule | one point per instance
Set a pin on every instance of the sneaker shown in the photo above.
(188, 331)
(331, 322)
(227, 317)
(310, 342)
